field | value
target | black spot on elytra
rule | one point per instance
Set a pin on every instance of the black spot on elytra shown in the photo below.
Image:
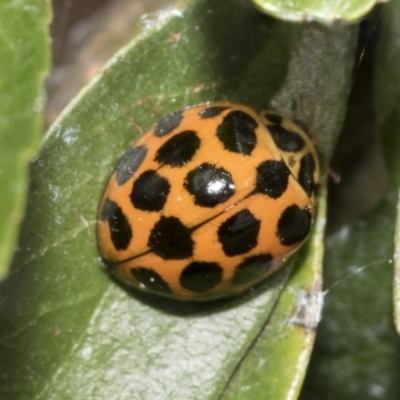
(252, 268)
(168, 123)
(129, 163)
(171, 239)
(286, 140)
(178, 150)
(237, 132)
(238, 234)
(201, 276)
(209, 185)
(306, 173)
(294, 225)
(272, 178)
(274, 118)
(211, 112)
(120, 228)
(151, 281)
(150, 191)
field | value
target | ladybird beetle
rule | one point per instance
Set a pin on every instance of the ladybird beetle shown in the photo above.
(210, 201)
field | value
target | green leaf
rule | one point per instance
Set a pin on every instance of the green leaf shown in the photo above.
(322, 11)
(357, 349)
(388, 106)
(69, 332)
(24, 61)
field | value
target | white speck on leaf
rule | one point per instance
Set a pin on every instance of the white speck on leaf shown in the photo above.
(69, 136)
(86, 352)
(55, 192)
(150, 19)
(308, 309)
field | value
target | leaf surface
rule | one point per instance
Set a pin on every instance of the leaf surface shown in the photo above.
(357, 349)
(323, 11)
(24, 61)
(388, 107)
